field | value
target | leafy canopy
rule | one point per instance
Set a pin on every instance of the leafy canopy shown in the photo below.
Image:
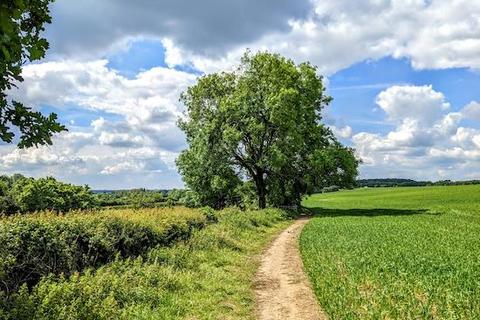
(19, 194)
(259, 128)
(21, 22)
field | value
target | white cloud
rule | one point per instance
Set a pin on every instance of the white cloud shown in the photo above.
(136, 137)
(342, 132)
(472, 111)
(432, 34)
(412, 103)
(148, 103)
(127, 166)
(427, 141)
(101, 166)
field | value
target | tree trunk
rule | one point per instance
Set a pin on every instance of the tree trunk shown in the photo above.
(261, 190)
(262, 199)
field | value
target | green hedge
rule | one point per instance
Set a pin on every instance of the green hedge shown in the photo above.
(204, 272)
(35, 247)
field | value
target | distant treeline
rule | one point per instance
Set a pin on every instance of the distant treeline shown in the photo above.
(20, 194)
(142, 198)
(392, 182)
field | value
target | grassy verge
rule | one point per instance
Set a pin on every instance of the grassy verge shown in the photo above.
(208, 276)
(396, 253)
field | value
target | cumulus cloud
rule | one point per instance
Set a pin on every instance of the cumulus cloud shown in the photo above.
(428, 141)
(342, 132)
(136, 136)
(337, 34)
(61, 160)
(420, 103)
(472, 111)
(147, 103)
(119, 167)
(127, 166)
(91, 27)
(151, 94)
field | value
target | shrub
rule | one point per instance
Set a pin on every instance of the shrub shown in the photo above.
(33, 247)
(207, 277)
(50, 194)
(137, 198)
(21, 194)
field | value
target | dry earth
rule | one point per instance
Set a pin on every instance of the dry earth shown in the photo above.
(281, 287)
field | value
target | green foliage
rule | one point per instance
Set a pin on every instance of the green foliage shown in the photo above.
(36, 246)
(261, 124)
(21, 24)
(184, 197)
(247, 195)
(207, 277)
(138, 198)
(395, 253)
(49, 194)
(21, 194)
(142, 198)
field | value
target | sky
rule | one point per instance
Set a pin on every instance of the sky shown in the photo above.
(404, 76)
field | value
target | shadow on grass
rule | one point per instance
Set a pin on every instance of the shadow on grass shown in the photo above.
(375, 212)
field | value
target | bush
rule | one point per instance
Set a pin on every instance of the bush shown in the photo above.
(50, 194)
(137, 198)
(184, 197)
(33, 247)
(330, 189)
(21, 194)
(207, 277)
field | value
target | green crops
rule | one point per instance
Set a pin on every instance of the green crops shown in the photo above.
(395, 253)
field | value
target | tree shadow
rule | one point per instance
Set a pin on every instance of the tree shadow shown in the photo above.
(374, 212)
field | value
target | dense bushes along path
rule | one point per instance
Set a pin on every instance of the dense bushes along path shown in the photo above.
(282, 289)
(207, 276)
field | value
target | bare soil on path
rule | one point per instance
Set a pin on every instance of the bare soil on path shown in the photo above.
(281, 287)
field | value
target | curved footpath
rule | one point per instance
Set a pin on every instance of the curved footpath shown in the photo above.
(282, 290)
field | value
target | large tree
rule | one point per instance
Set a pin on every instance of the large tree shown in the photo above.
(21, 24)
(261, 125)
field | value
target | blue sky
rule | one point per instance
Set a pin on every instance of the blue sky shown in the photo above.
(139, 56)
(354, 89)
(404, 80)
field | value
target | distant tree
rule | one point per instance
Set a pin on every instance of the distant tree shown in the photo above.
(21, 22)
(49, 194)
(19, 194)
(261, 124)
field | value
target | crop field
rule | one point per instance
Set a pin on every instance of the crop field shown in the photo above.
(395, 253)
(169, 263)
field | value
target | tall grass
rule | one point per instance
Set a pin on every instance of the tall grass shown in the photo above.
(396, 253)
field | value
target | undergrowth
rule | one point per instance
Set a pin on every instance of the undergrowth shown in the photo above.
(208, 276)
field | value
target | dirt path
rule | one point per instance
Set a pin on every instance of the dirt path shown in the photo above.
(281, 287)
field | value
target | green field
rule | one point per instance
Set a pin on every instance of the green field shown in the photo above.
(395, 253)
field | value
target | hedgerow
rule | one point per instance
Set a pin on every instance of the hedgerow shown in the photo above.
(206, 277)
(44, 244)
